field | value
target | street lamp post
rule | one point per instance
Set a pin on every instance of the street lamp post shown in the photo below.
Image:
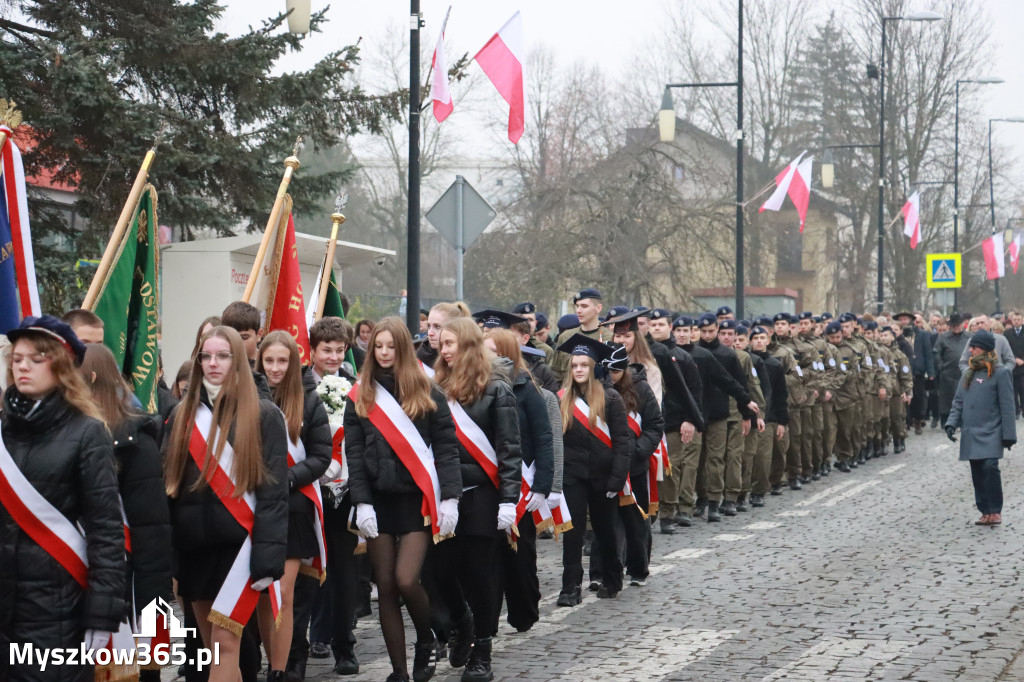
(991, 189)
(412, 277)
(667, 133)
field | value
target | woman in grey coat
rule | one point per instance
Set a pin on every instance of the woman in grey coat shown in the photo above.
(983, 408)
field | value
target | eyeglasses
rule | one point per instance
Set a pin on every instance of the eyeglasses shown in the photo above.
(35, 359)
(222, 356)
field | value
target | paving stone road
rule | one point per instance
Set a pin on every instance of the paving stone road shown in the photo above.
(875, 575)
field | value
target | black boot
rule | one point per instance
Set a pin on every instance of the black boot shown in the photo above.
(668, 526)
(423, 661)
(479, 667)
(570, 598)
(844, 467)
(346, 662)
(460, 643)
(275, 676)
(713, 515)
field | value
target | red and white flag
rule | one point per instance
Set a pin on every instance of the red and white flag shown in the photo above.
(14, 204)
(503, 59)
(795, 182)
(439, 91)
(1015, 252)
(995, 263)
(912, 219)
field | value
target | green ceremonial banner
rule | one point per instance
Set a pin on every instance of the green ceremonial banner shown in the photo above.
(129, 302)
(333, 308)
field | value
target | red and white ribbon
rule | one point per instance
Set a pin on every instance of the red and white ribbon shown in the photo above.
(21, 235)
(472, 437)
(581, 411)
(318, 565)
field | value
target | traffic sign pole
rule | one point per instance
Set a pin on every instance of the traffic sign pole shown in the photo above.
(460, 248)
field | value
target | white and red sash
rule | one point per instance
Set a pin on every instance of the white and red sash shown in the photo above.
(318, 566)
(403, 437)
(581, 411)
(236, 599)
(41, 521)
(542, 516)
(427, 369)
(338, 451)
(560, 517)
(635, 422)
(473, 438)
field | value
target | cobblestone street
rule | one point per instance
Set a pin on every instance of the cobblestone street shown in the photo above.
(875, 575)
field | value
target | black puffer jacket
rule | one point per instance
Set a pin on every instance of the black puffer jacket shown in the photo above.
(652, 423)
(140, 477)
(373, 465)
(535, 432)
(199, 520)
(68, 458)
(315, 435)
(587, 459)
(495, 413)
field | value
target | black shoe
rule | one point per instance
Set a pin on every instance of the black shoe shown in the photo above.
(699, 507)
(546, 534)
(852, 463)
(397, 677)
(319, 650)
(294, 671)
(713, 515)
(460, 642)
(347, 663)
(816, 476)
(844, 467)
(776, 490)
(935, 422)
(478, 669)
(668, 526)
(794, 484)
(605, 593)
(805, 480)
(569, 598)
(683, 519)
(423, 662)
(757, 500)
(741, 504)
(728, 508)
(594, 586)
(275, 676)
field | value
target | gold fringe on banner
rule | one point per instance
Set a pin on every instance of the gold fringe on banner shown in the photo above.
(220, 620)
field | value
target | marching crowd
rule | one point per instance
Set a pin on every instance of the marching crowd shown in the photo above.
(273, 488)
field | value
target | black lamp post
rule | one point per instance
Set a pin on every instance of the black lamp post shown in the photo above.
(667, 131)
(991, 189)
(412, 277)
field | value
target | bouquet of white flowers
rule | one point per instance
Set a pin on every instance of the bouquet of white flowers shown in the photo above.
(332, 391)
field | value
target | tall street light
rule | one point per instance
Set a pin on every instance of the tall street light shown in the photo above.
(412, 276)
(912, 16)
(991, 190)
(667, 132)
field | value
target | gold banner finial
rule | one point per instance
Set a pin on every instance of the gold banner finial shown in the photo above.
(159, 137)
(340, 202)
(9, 115)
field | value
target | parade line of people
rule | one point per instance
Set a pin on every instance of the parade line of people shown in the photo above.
(270, 495)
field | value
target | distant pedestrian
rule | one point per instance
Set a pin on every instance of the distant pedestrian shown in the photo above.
(983, 408)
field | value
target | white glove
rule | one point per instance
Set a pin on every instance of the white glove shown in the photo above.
(534, 501)
(96, 639)
(261, 584)
(366, 520)
(506, 515)
(610, 495)
(332, 472)
(449, 513)
(554, 500)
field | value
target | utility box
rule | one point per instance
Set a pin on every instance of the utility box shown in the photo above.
(200, 278)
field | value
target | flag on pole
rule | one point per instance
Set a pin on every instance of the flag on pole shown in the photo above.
(1015, 252)
(279, 292)
(19, 293)
(332, 305)
(439, 91)
(503, 59)
(129, 302)
(995, 263)
(795, 182)
(912, 219)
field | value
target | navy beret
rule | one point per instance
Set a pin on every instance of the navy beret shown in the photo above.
(586, 293)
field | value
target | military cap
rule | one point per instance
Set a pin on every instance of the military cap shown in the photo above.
(741, 330)
(724, 310)
(586, 293)
(871, 325)
(682, 321)
(542, 321)
(568, 322)
(758, 329)
(833, 328)
(707, 320)
(660, 314)
(524, 308)
(826, 315)
(763, 321)
(618, 311)
(781, 317)
(642, 309)
(728, 324)
(817, 318)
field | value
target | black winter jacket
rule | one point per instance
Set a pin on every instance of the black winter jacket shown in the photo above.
(68, 458)
(778, 403)
(315, 435)
(764, 381)
(373, 465)
(140, 478)
(652, 424)
(587, 459)
(199, 520)
(719, 385)
(535, 432)
(682, 385)
(426, 354)
(544, 375)
(727, 358)
(496, 414)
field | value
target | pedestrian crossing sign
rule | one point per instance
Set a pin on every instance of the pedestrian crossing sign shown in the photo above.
(943, 271)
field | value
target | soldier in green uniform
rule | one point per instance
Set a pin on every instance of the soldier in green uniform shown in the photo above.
(760, 389)
(800, 420)
(847, 395)
(529, 311)
(588, 309)
(903, 390)
(852, 336)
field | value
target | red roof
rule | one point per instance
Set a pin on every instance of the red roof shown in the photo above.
(25, 138)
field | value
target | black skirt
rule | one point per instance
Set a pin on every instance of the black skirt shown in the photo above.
(201, 573)
(302, 542)
(399, 513)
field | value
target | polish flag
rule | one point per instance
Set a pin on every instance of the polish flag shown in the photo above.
(1015, 252)
(995, 264)
(502, 59)
(912, 219)
(439, 92)
(794, 181)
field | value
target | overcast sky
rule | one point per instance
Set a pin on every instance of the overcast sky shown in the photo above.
(603, 32)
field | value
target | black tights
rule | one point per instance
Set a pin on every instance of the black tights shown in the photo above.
(396, 567)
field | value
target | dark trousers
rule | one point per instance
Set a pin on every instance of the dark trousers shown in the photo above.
(919, 401)
(519, 585)
(603, 511)
(466, 568)
(933, 399)
(1018, 391)
(330, 608)
(632, 534)
(988, 485)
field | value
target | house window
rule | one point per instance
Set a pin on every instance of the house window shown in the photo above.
(790, 251)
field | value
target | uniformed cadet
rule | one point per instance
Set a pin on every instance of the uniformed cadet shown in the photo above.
(847, 395)
(883, 390)
(776, 416)
(783, 468)
(829, 412)
(877, 394)
(529, 311)
(823, 378)
(724, 313)
(903, 381)
(848, 321)
(799, 457)
(741, 345)
(588, 309)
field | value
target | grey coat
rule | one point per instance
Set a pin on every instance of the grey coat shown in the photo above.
(947, 351)
(985, 414)
(1006, 356)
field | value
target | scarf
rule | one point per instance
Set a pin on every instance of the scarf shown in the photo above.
(211, 390)
(986, 361)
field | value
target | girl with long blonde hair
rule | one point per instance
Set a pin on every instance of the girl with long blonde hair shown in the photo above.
(206, 536)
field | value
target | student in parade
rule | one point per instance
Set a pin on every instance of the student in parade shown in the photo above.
(598, 452)
(521, 589)
(478, 387)
(363, 330)
(984, 411)
(204, 326)
(245, 319)
(140, 480)
(180, 386)
(87, 325)
(309, 454)
(436, 320)
(391, 422)
(55, 443)
(625, 331)
(241, 454)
